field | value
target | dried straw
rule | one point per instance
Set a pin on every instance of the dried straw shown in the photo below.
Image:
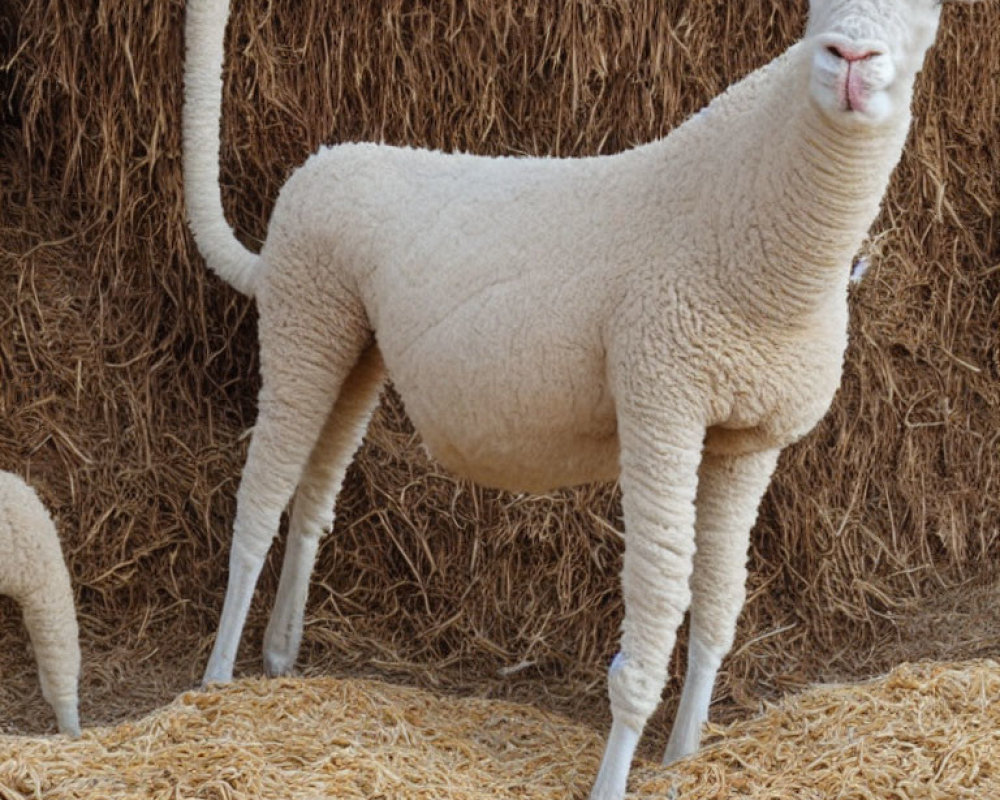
(926, 731)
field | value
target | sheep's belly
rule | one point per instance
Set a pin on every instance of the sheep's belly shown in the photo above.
(540, 430)
(506, 382)
(535, 464)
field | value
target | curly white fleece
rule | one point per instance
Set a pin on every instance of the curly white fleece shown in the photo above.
(34, 574)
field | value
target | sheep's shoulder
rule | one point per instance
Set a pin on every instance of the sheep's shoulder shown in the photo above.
(776, 387)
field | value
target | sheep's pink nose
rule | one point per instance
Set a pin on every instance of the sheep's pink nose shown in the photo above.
(851, 54)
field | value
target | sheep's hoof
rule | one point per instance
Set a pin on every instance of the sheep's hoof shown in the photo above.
(277, 667)
(613, 772)
(607, 790)
(278, 664)
(214, 678)
(281, 649)
(69, 721)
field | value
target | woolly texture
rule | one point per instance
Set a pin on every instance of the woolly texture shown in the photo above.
(34, 574)
(203, 105)
(681, 299)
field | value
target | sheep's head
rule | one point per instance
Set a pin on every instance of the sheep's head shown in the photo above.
(866, 54)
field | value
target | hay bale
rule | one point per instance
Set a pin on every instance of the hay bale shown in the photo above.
(128, 375)
(924, 731)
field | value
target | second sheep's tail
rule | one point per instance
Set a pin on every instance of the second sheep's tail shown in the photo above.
(204, 35)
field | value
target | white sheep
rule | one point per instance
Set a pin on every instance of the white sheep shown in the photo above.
(34, 574)
(671, 316)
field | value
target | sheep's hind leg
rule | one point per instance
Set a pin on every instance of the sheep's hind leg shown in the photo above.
(312, 509)
(729, 491)
(302, 368)
(659, 468)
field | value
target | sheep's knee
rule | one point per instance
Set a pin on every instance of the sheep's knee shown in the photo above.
(654, 609)
(718, 586)
(634, 690)
(715, 614)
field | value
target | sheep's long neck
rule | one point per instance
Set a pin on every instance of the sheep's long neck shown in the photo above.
(822, 194)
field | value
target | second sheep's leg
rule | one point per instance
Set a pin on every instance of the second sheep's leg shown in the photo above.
(659, 475)
(302, 369)
(730, 489)
(50, 619)
(313, 507)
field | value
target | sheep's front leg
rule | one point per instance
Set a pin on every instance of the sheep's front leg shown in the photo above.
(659, 475)
(729, 492)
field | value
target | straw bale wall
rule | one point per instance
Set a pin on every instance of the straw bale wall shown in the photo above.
(128, 374)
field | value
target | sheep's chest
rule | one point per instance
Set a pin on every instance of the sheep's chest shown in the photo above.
(785, 394)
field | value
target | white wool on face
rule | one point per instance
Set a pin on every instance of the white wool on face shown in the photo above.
(903, 29)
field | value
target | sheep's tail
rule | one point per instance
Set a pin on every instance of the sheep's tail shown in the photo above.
(204, 35)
